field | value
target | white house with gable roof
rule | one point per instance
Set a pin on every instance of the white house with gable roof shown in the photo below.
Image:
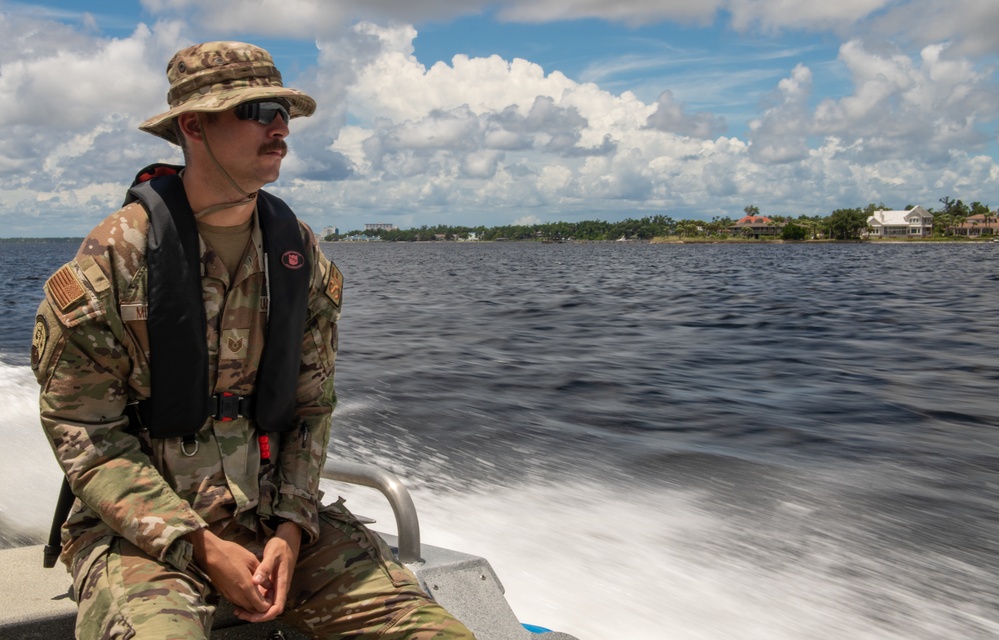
(915, 223)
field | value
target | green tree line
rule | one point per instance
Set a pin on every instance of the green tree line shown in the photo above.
(841, 224)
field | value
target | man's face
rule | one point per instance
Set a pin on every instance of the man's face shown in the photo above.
(249, 141)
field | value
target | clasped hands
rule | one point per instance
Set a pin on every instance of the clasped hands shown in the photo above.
(258, 588)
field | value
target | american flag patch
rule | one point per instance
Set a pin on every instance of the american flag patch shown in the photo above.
(65, 288)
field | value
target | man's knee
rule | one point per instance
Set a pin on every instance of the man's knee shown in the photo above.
(350, 583)
(123, 593)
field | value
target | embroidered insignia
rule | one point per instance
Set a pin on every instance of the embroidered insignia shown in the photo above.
(233, 344)
(334, 288)
(65, 287)
(293, 260)
(38, 341)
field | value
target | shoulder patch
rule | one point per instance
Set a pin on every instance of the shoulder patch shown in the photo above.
(65, 287)
(334, 287)
(39, 339)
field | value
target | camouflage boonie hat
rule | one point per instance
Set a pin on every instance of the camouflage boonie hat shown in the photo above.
(216, 76)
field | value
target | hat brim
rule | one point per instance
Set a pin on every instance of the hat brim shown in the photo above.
(301, 105)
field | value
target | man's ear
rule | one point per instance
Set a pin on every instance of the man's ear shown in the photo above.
(190, 125)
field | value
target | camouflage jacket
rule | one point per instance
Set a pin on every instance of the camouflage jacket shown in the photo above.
(90, 353)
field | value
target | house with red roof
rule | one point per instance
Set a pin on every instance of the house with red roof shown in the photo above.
(980, 224)
(756, 227)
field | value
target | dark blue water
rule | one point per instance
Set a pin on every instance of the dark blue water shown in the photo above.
(790, 441)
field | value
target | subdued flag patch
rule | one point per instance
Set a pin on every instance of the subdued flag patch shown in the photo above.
(65, 288)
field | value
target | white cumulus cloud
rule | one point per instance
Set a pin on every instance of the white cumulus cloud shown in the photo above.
(484, 139)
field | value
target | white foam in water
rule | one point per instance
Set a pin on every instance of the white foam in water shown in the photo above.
(605, 564)
(29, 474)
(584, 559)
(571, 558)
(598, 562)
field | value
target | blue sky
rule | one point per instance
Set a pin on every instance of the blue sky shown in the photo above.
(645, 60)
(497, 112)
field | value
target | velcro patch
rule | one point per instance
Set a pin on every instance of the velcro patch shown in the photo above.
(334, 288)
(134, 312)
(65, 288)
(97, 279)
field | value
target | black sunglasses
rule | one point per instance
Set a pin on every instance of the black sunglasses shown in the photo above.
(263, 111)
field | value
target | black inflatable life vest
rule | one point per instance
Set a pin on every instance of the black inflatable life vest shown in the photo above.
(180, 398)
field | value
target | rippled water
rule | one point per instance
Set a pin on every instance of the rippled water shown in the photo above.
(682, 441)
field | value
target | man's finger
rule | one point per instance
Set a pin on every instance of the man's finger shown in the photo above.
(262, 581)
(265, 616)
(249, 599)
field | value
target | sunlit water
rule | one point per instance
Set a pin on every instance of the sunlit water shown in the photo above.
(650, 441)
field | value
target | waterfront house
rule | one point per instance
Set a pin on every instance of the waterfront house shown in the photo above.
(756, 227)
(981, 224)
(915, 223)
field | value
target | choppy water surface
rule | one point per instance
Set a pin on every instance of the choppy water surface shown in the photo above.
(661, 441)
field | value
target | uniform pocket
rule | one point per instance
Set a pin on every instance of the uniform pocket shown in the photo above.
(85, 573)
(338, 516)
(323, 342)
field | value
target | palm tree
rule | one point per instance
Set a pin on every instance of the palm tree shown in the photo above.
(987, 216)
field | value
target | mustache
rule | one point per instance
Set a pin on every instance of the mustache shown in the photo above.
(274, 145)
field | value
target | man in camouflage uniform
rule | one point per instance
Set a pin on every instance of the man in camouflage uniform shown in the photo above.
(161, 526)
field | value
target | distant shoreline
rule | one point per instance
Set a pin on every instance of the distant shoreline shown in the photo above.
(658, 240)
(46, 240)
(945, 240)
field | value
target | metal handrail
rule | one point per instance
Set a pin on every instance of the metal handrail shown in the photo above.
(406, 521)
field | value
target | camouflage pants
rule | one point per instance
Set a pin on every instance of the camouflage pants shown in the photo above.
(346, 585)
